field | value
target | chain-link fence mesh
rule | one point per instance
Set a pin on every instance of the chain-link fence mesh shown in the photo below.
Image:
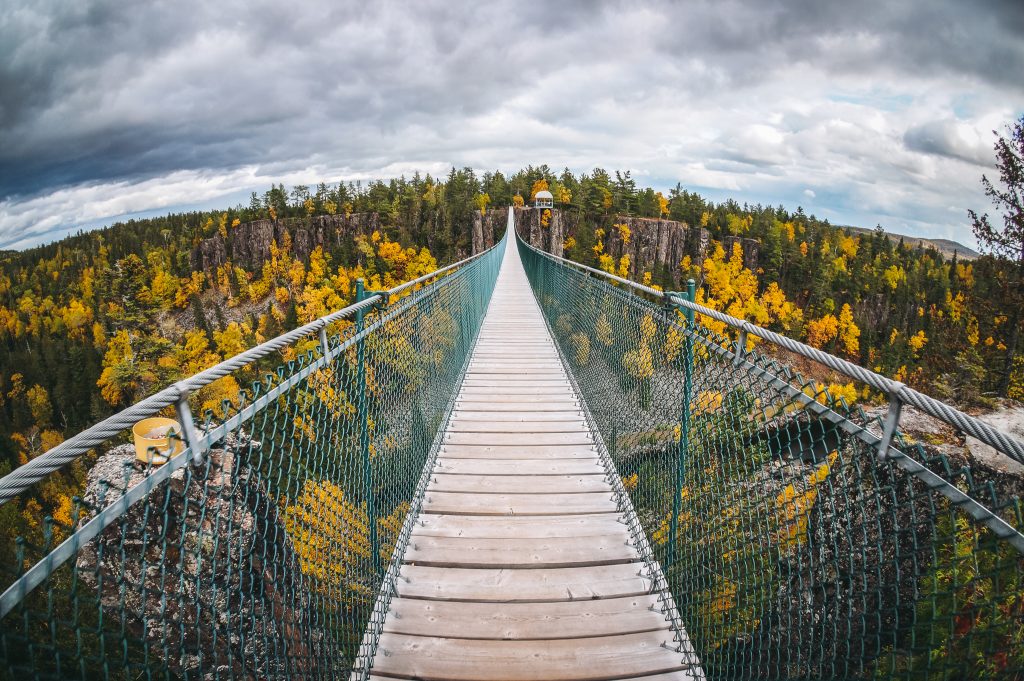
(263, 557)
(791, 548)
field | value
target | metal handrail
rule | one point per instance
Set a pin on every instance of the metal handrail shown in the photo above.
(898, 393)
(197, 443)
(23, 477)
(883, 446)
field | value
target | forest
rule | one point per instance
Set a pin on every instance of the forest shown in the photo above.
(98, 320)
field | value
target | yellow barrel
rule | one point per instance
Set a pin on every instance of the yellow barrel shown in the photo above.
(153, 433)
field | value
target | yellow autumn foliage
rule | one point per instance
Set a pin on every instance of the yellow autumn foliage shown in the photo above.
(794, 505)
(639, 362)
(581, 348)
(331, 536)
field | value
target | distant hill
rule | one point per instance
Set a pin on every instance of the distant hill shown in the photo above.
(946, 247)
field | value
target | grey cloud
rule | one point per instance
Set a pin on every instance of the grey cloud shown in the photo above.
(948, 138)
(751, 38)
(90, 107)
(108, 91)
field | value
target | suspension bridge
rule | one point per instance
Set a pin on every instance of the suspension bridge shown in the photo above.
(518, 467)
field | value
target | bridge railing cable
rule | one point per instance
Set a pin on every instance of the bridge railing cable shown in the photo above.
(258, 548)
(799, 538)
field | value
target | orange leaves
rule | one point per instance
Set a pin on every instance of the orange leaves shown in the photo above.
(894, 275)
(604, 330)
(538, 186)
(795, 505)
(624, 233)
(187, 288)
(849, 334)
(848, 245)
(828, 329)
(331, 537)
(119, 378)
(581, 345)
(662, 204)
(639, 362)
(919, 340)
(598, 246)
(822, 331)
(623, 269)
(482, 201)
(76, 318)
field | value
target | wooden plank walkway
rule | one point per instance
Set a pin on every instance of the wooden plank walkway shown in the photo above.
(520, 565)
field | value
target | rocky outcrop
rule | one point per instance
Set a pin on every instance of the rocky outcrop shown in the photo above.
(544, 229)
(203, 569)
(485, 226)
(655, 245)
(751, 248)
(248, 244)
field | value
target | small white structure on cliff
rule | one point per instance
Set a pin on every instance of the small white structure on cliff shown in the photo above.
(543, 199)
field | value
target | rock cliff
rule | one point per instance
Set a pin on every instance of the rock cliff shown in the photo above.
(208, 555)
(654, 245)
(248, 244)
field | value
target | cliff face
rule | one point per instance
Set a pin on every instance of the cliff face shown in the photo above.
(655, 245)
(529, 224)
(248, 245)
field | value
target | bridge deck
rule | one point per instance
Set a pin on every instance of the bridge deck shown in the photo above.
(520, 566)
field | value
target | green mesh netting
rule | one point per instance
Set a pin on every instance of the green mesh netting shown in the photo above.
(265, 560)
(791, 549)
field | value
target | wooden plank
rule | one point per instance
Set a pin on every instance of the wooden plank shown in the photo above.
(519, 439)
(539, 360)
(540, 527)
(461, 451)
(580, 659)
(519, 467)
(668, 676)
(521, 552)
(492, 378)
(474, 426)
(514, 375)
(518, 504)
(518, 484)
(519, 565)
(517, 417)
(511, 402)
(563, 392)
(526, 621)
(531, 365)
(684, 675)
(515, 353)
(513, 586)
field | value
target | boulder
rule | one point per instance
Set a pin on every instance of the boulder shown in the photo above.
(203, 570)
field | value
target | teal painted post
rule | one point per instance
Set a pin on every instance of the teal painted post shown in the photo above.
(364, 431)
(683, 449)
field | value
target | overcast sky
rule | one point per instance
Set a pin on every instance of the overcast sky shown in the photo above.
(861, 112)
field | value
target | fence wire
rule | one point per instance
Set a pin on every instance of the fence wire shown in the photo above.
(258, 552)
(792, 549)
